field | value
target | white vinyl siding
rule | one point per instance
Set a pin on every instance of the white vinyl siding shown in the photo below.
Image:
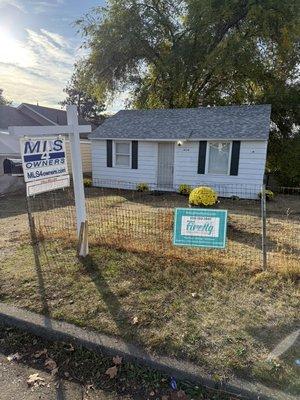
(250, 173)
(119, 176)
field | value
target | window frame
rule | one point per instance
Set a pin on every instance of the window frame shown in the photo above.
(115, 154)
(207, 158)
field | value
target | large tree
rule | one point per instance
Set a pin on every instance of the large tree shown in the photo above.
(3, 100)
(88, 105)
(187, 53)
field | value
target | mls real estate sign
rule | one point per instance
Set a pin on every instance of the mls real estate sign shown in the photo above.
(45, 166)
(200, 228)
(43, 157)
(44, 163)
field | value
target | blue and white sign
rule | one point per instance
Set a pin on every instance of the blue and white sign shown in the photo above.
(43, 157)
(197, 227)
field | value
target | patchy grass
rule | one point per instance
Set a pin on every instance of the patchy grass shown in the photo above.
(217, 308)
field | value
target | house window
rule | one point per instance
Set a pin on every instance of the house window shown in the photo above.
(122, 154)
(218, 158)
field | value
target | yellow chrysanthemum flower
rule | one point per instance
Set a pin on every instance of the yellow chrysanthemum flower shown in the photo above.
(203, 196)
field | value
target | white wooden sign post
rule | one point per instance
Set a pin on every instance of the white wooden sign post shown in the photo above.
(73, 129)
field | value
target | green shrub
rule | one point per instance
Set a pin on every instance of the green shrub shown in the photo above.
(203, 196)
(285, 165)
(142, 187)
(269, 195)
(185, 189)
(87, 182)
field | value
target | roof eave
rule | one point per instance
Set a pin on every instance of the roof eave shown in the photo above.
(180, 139)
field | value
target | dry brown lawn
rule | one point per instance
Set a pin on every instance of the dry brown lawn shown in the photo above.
(217, 308)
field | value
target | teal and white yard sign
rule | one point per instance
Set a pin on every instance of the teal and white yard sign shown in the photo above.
(200, 228)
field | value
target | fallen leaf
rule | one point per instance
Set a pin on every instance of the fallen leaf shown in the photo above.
(112, 372)
(34, 380)
(117, 360)
(14, 357)
(38, 354)
(165, 398)
(50, 364)
(70, 348)
(89, 387)
(54, 371)
(180, 395)
(135, 320)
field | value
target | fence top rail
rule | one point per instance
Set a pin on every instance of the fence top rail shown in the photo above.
(290, 188)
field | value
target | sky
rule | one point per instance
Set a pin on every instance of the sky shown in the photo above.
(38, 47)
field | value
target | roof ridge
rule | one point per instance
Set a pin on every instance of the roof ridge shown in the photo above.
(37, 105)
(196, 108)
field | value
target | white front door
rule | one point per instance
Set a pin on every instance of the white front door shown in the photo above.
(165, 168)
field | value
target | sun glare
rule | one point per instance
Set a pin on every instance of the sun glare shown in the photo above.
(13, 51)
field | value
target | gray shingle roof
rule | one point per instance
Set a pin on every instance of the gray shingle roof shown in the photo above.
(55, 115)
(229, 122)
(16, 116)
(12, 116)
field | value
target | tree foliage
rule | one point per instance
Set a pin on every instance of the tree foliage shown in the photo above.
(190, 53)
(88, 105)
(3, 100)
(284, 160)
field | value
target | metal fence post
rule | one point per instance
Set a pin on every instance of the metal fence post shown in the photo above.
(264, 226)
(31, 222)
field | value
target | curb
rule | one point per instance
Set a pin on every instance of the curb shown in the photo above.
(62, 331)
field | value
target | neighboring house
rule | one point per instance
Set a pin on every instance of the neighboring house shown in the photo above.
(222, 147)
(50, 116)
(28, 115)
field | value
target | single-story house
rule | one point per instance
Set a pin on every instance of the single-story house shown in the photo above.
(221, 147)
(33, 115)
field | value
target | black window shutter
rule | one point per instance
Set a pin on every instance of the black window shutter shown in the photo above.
(109, 153)
(202, 156)
(235, 157)
(134, 154)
